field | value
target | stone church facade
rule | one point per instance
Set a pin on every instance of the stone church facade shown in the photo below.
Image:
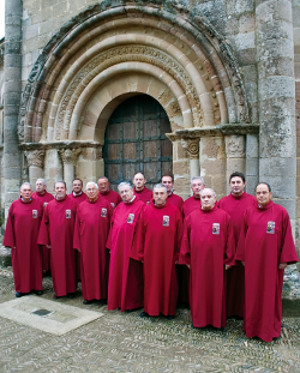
(224, 73)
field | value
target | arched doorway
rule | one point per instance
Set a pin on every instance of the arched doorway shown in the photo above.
(135, 141)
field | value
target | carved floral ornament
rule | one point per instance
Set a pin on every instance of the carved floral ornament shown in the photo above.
(191, 146)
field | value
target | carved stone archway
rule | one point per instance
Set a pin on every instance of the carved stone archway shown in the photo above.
(106, 55)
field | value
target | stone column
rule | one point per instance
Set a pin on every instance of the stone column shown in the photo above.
(35, 159)
(12, 95)
(69, 158)
(235, 155)
(192, 147)
(276, 91)
(53, 168)
(251, 163)
(89, 164)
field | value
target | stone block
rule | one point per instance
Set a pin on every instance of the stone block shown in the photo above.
(181, 167)
(247, 23)
(276, 87)
(280, 173)
(251, 146)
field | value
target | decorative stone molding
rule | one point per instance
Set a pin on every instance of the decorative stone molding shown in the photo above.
(225, 129)
(60, 145)
(35, 158)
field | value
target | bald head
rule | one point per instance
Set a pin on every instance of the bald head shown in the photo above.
(139, 181)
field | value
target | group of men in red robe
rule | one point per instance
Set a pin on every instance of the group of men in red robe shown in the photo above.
(141, 248)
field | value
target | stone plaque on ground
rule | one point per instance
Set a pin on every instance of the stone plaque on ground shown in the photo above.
(46, 315)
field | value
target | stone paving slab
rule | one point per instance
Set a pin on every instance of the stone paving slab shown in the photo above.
(45, 315)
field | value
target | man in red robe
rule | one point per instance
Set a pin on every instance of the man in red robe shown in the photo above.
(235, 205)
(77, 194)
(41, 193)
(182, 273)
(189, 205)
(125, 283)
(57, 229)
(90, 235)
(140, 190)
(44, 197)
(110, 195)
(194, 202)
(158, 244)
(266, 247)
(168, 182)
(208, 248)
(21, 233)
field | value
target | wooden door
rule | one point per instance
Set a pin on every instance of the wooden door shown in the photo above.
(135, 141)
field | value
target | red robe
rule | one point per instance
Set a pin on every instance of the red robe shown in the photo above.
(90, 235)
(125, 284)
(144, 195)
(57, 229)
(158, 245)
(44, 199)
(112, 197)
(235, 278)
(175, 200)
(266, 241)
(182, 271)
(21, 233)
(207, 245)
(190, 205)
(78, 199)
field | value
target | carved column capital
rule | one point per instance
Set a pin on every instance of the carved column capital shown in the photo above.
(235, 146)
(191, 146)
(69, 156)
(35, 158)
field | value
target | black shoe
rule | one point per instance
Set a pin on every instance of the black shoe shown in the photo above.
(38, 292)
(71, 295)
(170, 317)
(85, 301)
(18, 294)
(144, 314)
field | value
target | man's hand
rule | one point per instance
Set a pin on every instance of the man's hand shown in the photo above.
(282, 266)
(227, 266)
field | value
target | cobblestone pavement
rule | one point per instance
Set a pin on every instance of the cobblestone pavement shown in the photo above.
(125, 342)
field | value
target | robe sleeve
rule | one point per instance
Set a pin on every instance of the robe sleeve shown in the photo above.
(179, 235)
(240, 252)
(43, 237)
(185, 249)
(9, 235)
(137, 248)
(288, 251)
(76, 236)
(230, 244)
(109, 238)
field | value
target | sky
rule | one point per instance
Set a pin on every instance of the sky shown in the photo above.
(2, 12)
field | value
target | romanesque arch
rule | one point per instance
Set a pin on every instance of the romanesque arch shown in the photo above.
(105, 55)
